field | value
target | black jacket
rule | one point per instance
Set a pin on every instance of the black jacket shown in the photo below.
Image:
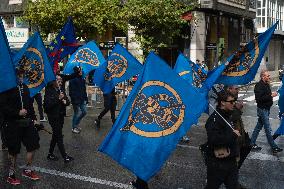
(54, 107)
(77, 90)
(10, 104)
(263, 96)
(219, 134)
(109, 99)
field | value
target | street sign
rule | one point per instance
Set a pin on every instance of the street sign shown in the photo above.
(211, 46)
(106, 45)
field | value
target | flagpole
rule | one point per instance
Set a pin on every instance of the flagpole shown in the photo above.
(222, 117)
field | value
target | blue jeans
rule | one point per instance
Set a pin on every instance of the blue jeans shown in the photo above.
(263, 121)
(79, 112)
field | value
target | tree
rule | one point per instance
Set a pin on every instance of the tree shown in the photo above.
(91, 17)
(155, 22)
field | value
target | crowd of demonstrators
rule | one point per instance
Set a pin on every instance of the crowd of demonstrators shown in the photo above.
(110, 103)
(222, 144)
(19, 116)
(264, 100)
(79, 99)
(55, 102)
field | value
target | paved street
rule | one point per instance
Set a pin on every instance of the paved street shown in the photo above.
(183, 170)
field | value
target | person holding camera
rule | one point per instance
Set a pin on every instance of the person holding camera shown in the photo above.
(19, 116)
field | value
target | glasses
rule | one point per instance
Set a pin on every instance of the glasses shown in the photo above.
(231, 101)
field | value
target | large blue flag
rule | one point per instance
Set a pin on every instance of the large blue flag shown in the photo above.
(89, 57)
(32, 58)
(120, 66)
(65, 43)
(280, 130)
(7, 72)
(245, 62)
(158, 112)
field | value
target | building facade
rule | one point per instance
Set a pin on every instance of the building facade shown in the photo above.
(218, 28)
(16, 29)
(268, 13)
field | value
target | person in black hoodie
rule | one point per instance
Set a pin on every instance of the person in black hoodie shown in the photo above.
(222, 143)
(19, 116)
(264, 100)
(55, 102)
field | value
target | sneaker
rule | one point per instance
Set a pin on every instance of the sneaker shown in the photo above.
(255, 147)
(13, 180)
(52, 157)
(276, 150)
(98, 123)
(76, 130)
(30, 174)
(67, 159)
(43, 120)
(185, 139)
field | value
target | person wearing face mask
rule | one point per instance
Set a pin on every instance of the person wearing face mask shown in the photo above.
(55, 102)
(19, 116)
(264, 100)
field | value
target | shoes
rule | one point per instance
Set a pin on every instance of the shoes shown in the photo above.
(13, 180)
(98, 123)
(255, 147)
(185, 139)
(43, 120)
(52, 157)
(67, 159)
(30, 174)
(276, 150)
(76, 130)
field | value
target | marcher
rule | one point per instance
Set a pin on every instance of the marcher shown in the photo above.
(243, 140)
(222, 145)
(55, 102)
(38, 99)
(19, 116)
(110, 103)
(79, 99)
(264, 100)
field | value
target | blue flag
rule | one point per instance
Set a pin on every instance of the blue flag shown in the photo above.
(32, 58)
(183, 68)
(7, 72)
(158, 112)
(120, 66)
(89, 57)
(244, 63)
(65, 43)
(280, 130)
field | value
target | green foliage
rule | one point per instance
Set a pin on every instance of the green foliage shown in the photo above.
(155, 22)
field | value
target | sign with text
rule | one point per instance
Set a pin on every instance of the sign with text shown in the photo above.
(17, 35)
